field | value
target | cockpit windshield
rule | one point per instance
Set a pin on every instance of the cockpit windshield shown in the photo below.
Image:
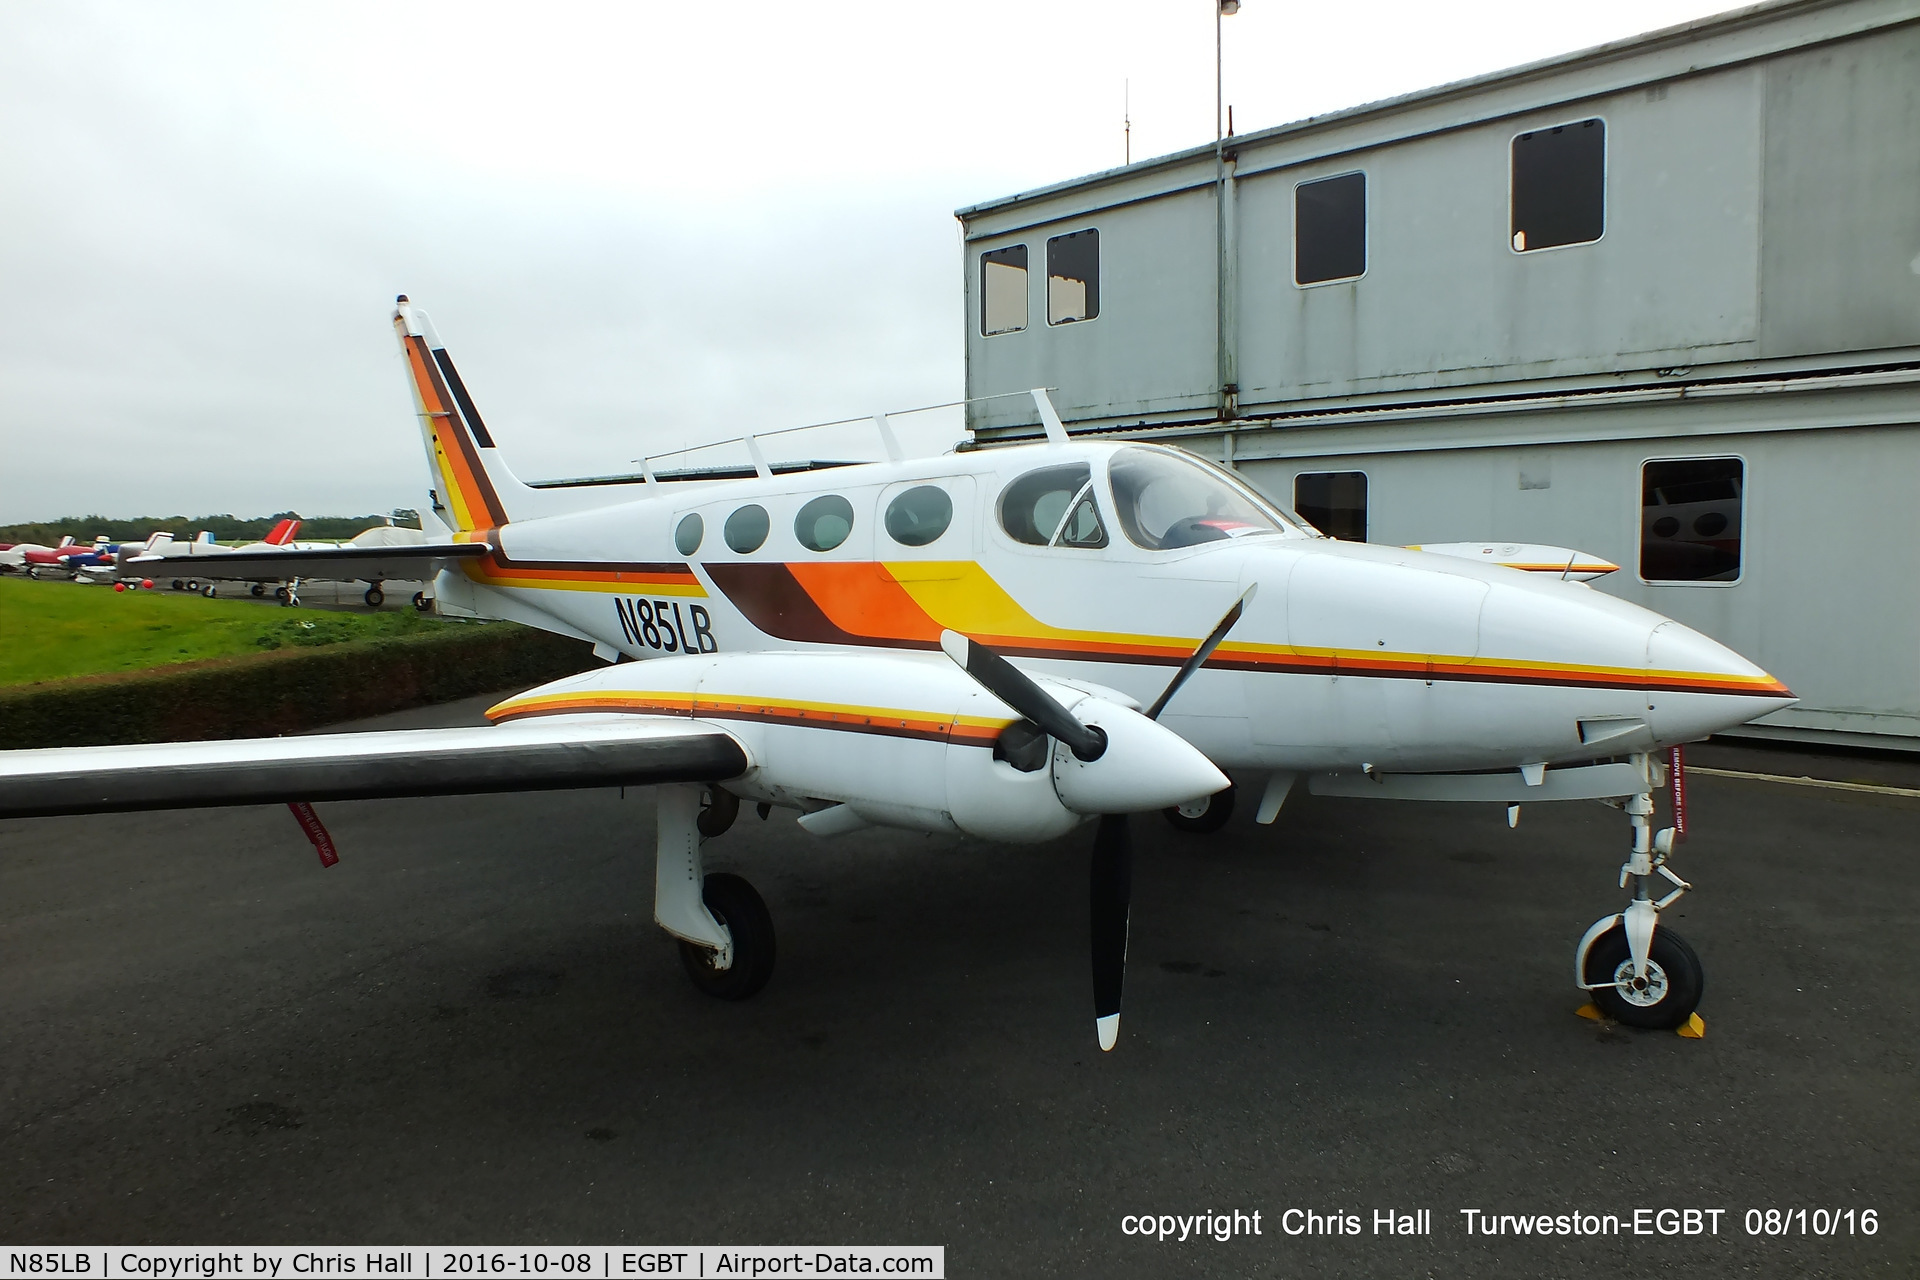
(1165, 501)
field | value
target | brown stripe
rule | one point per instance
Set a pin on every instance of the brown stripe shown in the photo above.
(774, 601)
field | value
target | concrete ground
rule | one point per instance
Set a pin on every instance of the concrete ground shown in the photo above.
(469, 1031)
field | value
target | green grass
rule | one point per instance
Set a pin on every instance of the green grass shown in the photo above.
(56, 630)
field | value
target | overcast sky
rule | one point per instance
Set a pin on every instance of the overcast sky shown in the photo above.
(636, 226)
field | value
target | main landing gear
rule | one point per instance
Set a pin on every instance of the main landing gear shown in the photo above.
(724, 928)
(1638, 971)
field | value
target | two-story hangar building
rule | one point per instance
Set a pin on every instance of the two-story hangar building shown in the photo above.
(1658, 301)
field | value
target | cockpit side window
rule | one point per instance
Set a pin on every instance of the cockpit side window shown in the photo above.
(1164, 502)
(1053, 506)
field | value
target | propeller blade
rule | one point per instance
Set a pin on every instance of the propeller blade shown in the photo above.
(1199, 656)
(1110, 892)
(1012, 686)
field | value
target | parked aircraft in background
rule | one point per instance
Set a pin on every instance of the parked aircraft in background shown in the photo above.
(367, 557)
(842, 642)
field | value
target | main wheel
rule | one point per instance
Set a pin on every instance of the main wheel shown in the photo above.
(421, 602)
(179, 585)
(375, 597)
(1204, 816)
(281, 594)
(193, 584)
(735, 905)
(210, 591)
(259, 588)
(1665, 998)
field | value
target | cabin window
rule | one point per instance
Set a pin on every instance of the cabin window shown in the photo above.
(1053, 506)
(1330, 229)
(1690, 519)
(919, 516)
(747, 528)
(1003, 290)
(1559, 189)
(1073, 277)
(687, 536)
(1334, 502)
(824, 522)
(1164, 502)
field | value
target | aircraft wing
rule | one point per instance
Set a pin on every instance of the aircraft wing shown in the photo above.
(349, 563)
(551, 753)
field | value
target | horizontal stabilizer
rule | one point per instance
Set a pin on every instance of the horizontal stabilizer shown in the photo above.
(545, 755)
(408, 563)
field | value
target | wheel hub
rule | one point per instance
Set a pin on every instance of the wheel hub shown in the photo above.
(1645, 992)
(1196, 808)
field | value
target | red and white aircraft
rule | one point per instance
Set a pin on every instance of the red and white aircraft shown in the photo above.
(1005, 642)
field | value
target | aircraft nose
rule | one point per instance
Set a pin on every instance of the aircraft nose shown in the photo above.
(1697, 686)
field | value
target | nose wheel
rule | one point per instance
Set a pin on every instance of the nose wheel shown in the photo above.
(1636, 969)
(1662, 998)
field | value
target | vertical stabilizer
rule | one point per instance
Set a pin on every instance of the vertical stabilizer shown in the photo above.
(472, 487)
(281, 534)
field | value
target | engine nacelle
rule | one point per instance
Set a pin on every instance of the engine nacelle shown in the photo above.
(902, 741)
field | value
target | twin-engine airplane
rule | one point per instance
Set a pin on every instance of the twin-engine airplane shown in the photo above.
(1003, 642)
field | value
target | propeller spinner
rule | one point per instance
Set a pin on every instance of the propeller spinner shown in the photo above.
(1127, 765)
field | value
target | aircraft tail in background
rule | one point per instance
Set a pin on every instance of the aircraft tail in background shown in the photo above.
(282, 533)
(472, 486)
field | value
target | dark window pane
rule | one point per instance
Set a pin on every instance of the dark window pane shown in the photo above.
(1560, 185)
(1073, 277)
(687, 536)
(1003, 290)
(824, 523)
(1334, 502)
(1330, 229)
(919, 516)
(1690, 519)
(1035, 507)
(747, 528)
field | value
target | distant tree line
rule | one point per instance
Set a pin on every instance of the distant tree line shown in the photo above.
(226, 528)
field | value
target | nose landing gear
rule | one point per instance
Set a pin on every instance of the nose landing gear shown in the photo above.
(1638, 971)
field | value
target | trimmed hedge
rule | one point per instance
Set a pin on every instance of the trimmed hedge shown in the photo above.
(287, 690)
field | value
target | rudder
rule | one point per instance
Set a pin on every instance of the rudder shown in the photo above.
(469, 477)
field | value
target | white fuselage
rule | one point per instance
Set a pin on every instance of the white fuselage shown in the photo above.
(1349, 654)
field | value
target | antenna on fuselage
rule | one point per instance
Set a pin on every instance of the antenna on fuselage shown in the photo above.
(1056, 429)
(760, 466)
(887, 438)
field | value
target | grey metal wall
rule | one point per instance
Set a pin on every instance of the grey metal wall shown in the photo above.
(1826, 599)
(1763, 204)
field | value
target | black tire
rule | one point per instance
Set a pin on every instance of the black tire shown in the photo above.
(258, 589)
(179, 585)
(735, 904)
(210, 591)
(421, 602)
(375, 597)
(193, 584)
(281, 594)
(719, 808)
(1673, 972)
(1213, 814)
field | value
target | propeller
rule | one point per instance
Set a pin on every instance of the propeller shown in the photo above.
(1110, 875)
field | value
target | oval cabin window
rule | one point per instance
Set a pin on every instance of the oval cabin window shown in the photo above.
(687, 536)
(824, 523)
(919, 515)
(747, 528)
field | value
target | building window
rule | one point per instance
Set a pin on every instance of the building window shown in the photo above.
(1330, 229)
(1560, 185)
(1073, 277)
(1003, 290)
(1690, 510)
(1334, 502)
